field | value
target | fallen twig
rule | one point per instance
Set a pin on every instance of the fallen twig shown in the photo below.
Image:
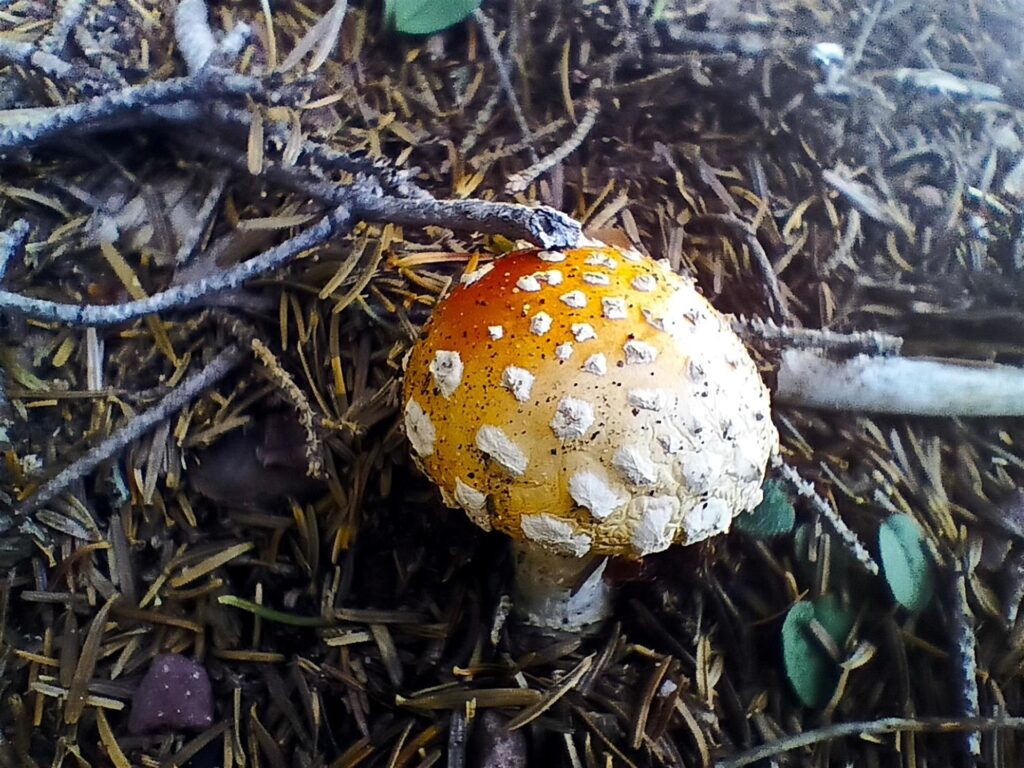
(11, 239)
(544, 226)
(902, 385)
(203, 217)
(23, 128)
(790, 337)
(196, 42)
(520, 181)
(869, 728)
(965, 652)
(178, 297)
(28, 55)
(177, 399)
(71, 12)
(491, 41)
(849, 539)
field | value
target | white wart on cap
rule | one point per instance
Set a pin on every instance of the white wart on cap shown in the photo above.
(615, 412)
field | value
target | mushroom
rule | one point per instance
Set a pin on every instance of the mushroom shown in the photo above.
(588, 403)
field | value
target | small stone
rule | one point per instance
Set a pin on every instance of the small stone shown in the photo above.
(174, 695)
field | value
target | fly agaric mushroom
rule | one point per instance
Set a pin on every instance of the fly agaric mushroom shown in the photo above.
(588, 403)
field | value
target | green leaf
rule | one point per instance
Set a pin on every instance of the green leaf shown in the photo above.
(774, 516)
(906, 562)
(425, 17)
(811, 671)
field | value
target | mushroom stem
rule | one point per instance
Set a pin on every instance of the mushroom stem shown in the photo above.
(549, 592)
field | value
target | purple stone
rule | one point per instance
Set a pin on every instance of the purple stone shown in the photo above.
(175, 695)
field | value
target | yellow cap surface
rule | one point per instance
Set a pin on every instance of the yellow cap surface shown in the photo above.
(590, 401)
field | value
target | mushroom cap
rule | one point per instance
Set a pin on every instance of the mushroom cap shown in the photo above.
(589, 401)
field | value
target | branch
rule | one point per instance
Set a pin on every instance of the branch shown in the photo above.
(21, 128)
(901, 385)
(791, 337)
(196, 42)
(520, 181)
(544, 226)
(187, 391)
(849, 539)
(869, 728)
(11, 239)
(491, 41)
(28, 55)
(184, 295)
(71, 13)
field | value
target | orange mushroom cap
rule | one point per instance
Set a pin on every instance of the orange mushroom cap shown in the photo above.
(589, 401)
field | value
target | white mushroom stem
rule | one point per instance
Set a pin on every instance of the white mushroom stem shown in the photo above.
(909, 386)
(548, 592)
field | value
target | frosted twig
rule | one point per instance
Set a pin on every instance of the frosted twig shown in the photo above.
(483, 117)
(192, 31)
(11, 239)
(491, 41)
(544, 226)
(191, 239)
(182, 296)
(394, 181)
(790, 337)
(849, 539)
(908, 386)
(177, 399)
(71, 12)
(520, 181)
(43, 124)
(964, 646)
(869, 728)
(28, 55)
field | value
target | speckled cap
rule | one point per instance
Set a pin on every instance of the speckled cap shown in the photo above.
(589, 401)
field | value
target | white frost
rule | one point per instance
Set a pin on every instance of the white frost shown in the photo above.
(551, 256)
(648, 399)
(497, 445)
(574, 299)
(644, 283)
(636, 465)
(596, 364)
(701, 470)
(495, 331)
(468, 278)
(474, 502)
(564, 351)
(601, 260)
(593, 492)
(518, 381)
(653, 531)
(528, 283)
(540, 323)
(639, 352)
(707, 519)
(596, 278)
(558, 534)
(583, 332)
(446, 368)
(613, 308)
(572, 418)
(551, 276)
(419, 428)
